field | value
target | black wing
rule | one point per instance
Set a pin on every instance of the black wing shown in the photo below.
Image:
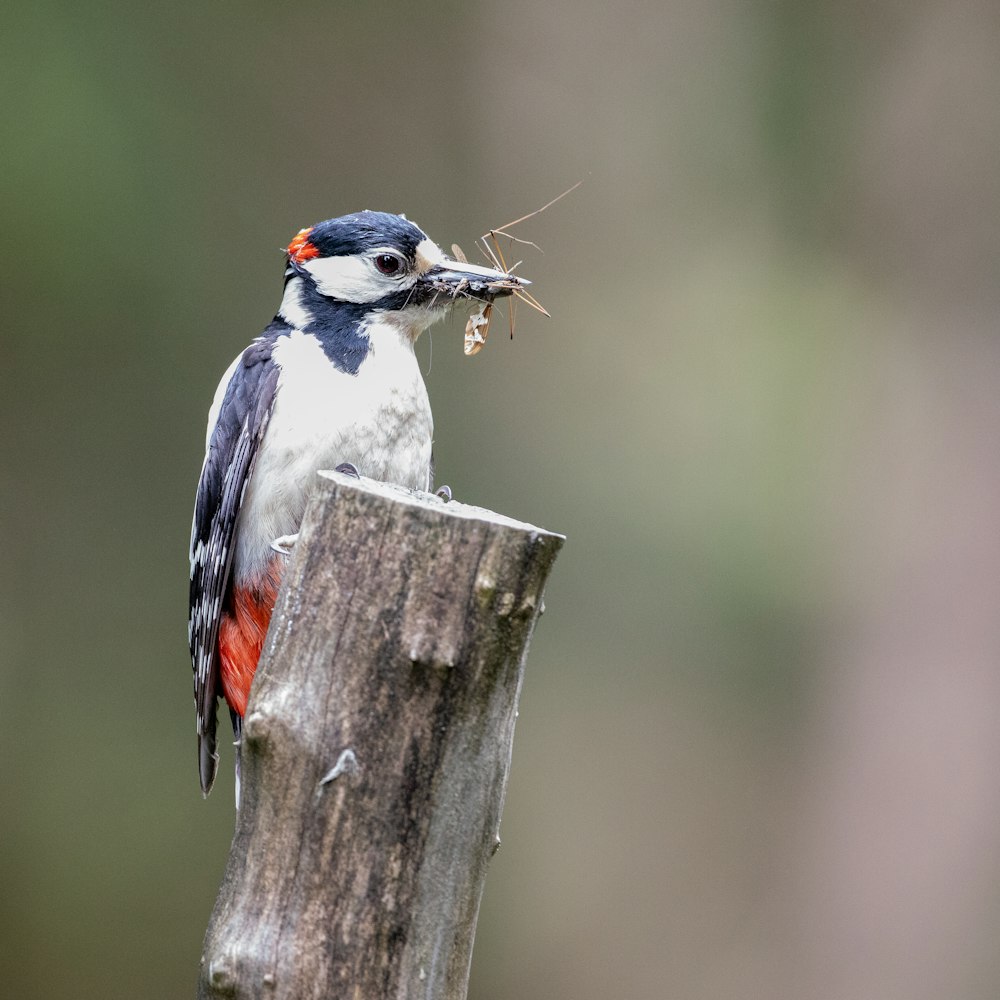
(229, 462)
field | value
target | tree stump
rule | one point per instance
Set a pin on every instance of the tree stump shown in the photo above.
(376, 748)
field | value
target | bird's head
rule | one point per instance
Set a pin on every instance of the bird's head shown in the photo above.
(387, 264)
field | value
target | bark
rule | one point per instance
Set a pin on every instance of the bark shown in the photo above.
(376, 749)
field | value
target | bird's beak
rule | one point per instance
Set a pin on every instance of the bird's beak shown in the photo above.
(456, 279)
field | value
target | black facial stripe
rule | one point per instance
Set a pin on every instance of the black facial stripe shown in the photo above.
(338, 327)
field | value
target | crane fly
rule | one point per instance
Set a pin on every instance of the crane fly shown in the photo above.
(478, 325)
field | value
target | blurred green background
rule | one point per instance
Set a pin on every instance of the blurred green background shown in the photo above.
(758, 742)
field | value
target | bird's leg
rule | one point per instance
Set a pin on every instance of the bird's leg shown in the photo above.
(283, 544)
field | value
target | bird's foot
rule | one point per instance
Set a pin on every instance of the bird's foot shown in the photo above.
(444, 493)
(348, 470)
(283, 544)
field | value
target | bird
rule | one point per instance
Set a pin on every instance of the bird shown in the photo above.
(332, 381)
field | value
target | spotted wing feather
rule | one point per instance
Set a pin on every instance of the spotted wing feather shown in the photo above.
(229, 462)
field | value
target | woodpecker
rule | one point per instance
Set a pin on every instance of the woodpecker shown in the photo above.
(333, 380)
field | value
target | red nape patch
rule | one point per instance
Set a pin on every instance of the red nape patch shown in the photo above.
(300, 248)
(242, 628)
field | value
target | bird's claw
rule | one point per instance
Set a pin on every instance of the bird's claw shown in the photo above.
(283, 544)
(348, 470)
(444, 493)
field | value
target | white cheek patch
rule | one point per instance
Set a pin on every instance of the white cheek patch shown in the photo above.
(352, 279)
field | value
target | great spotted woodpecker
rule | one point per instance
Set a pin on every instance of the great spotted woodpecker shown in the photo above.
(333, 379)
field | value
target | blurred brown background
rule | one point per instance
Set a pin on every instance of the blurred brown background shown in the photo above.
(758, 744)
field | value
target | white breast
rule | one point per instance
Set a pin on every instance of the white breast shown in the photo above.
(379, 420)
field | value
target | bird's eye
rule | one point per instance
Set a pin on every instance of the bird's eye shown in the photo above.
(388, 264)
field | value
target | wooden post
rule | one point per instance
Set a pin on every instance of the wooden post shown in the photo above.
(376, 748)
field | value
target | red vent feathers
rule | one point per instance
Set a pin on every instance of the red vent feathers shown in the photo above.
(242, 627)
